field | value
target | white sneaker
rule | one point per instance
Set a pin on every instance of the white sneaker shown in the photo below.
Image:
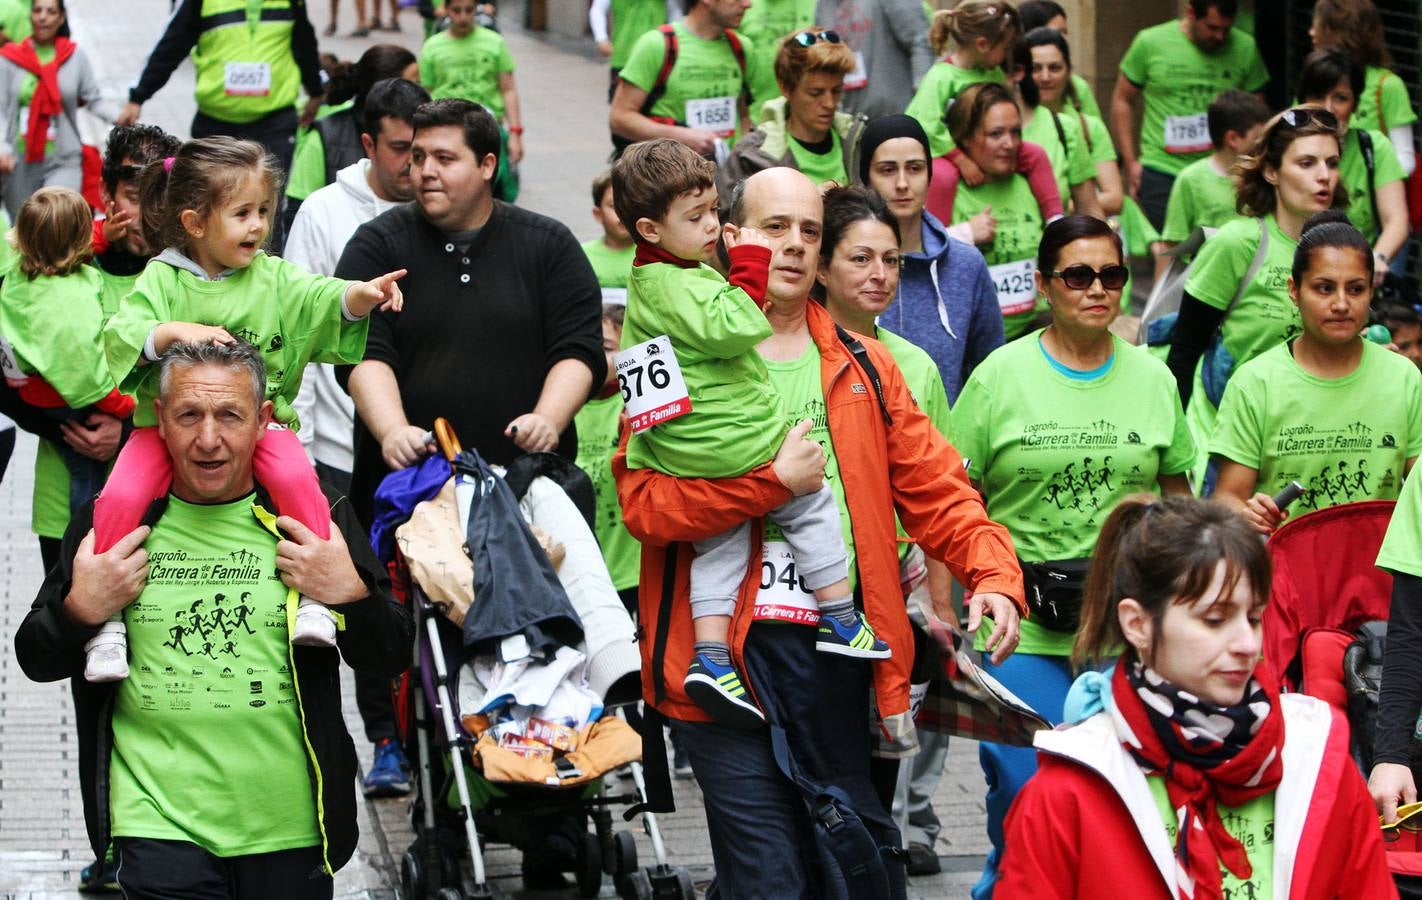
(315, 625)
(106, 654)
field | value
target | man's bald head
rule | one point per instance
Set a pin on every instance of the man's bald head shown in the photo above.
(768, 186)
(784, 205)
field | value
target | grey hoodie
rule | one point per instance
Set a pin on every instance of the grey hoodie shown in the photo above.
(891, 39)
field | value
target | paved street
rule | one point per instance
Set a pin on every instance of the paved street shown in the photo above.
(42, 838)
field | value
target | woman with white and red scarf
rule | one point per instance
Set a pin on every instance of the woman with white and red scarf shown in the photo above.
(1189, 777)
(44, 79)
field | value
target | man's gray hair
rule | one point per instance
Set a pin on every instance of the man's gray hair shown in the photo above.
(237, 355)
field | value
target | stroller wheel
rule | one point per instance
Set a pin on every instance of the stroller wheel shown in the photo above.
(450, 894)
(412, 875)
(624, 854)
(589, 871)
(636, 886)
(672, 882)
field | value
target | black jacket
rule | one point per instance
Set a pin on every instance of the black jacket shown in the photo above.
(377, 638)
(480, 329)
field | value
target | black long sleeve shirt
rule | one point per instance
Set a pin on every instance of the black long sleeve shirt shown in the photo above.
(481, 327)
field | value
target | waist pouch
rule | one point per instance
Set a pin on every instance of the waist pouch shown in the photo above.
(1054, 591)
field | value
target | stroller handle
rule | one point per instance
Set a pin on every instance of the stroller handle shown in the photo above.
(446, 438)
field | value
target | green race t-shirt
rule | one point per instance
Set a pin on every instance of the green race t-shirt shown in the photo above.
(782, 596)
(704, 88)
(1353, 175)
(1201, 195)
(1251, 823)
(1012, 255)
(207, 733)
(766, 24)
(44, 320)
(1179, 81)
(1071, 161)
(1264, 315)
(1102, 148)
(307, 325)
(612, 267)
(941, 83)
(1401, 549)
(1344, 439)
(597, 425)
(467, 67)
(1054, 454)
(630, 20)
(49, 502)
(1396, 105)
(28, 82)
(1085, 99)
(820, 167)
(308, 163)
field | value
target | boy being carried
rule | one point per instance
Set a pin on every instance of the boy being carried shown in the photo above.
(667, 194)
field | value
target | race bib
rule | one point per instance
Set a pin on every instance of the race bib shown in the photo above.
(1016, 288)
(615, 296)
(783, 595)
(652, 387)
(859, 77)
(14, 377)
(25, 125)
(247, 79)
(716, 114)
(1187, 134)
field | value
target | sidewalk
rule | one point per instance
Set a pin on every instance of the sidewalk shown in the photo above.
(42, 838)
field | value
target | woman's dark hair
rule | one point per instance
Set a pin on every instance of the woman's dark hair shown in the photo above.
(966, 113)
(1067, 229)
(1159, 552)
(1323, 69)
(1329, 229)
(1045, 37)
(140, 143)
(845, 206)
(1037, 13)
(1254, 195)
(347, 81)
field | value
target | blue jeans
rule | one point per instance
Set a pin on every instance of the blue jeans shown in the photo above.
(761, 836)
(1042, 682)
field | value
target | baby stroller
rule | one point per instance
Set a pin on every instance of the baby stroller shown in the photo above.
(490, 768)
(1324, 630)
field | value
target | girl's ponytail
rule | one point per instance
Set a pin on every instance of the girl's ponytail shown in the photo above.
(1098, 634)
(152, 190)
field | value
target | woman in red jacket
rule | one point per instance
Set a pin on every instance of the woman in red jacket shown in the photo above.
(1194, 778)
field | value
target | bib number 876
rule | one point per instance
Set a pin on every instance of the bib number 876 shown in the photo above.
(631, 381)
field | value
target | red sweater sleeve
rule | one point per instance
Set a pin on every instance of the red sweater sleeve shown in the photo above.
(101, 242)
(118, 405)
(750, 270)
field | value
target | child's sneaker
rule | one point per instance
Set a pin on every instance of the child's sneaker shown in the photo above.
(106, 654)
(856, 641)
(718, 690)
(315, 625)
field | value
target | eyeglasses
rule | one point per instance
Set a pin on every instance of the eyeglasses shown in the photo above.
(1300, 116)
(810, 38)
(1079, 277)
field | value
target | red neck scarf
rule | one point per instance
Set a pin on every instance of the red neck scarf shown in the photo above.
(45, 104)
(650, 253)
(1200, 770)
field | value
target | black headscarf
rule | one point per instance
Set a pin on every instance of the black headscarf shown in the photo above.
(886, 128)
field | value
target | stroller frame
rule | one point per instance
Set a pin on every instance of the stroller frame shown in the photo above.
(613, 852)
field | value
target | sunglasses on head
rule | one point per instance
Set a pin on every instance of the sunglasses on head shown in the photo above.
(1079, 277)
(1300, 116)
(810, 38)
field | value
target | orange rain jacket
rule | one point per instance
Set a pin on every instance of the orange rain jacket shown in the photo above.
(891, 458)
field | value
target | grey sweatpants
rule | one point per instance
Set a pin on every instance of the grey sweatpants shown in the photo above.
(28, 177)
(811, 527)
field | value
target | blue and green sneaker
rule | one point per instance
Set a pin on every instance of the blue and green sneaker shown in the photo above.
(718, 690)
(856, 641)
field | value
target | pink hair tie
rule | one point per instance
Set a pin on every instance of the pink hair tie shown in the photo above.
(168, 164)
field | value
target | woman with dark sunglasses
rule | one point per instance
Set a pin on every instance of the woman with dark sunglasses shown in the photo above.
(1236, 303)
(1056, 429)
(1338, 414)
(803, 128)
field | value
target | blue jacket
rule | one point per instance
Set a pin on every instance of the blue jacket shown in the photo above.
(947, 305)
